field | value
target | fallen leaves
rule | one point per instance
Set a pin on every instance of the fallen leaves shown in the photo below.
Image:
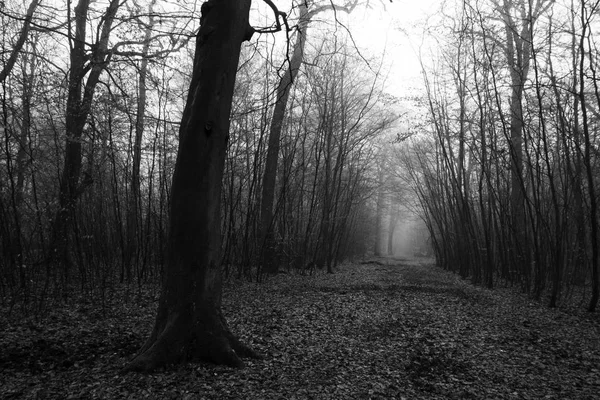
(380, 330)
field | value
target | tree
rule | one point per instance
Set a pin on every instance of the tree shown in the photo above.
(79, 102)
(524, 207)
(519, 19)
(133, 211)
(587, 136)
(189, 323)
(283, 92)
(270, 174)
(378, 245)
(8, 66)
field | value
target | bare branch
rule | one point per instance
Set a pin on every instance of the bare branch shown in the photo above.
(347, 8)
(279, 17)
(131, 53)
(20, 42)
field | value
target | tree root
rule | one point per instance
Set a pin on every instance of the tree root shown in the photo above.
(207, 340)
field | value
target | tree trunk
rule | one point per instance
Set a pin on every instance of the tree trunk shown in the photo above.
(74, 122)
(189, 323)
(518, 55)
(394, 217)
(79, 101)
(379, 211)
(519, 32)
(10, 63)
(283, 91)
(23, 156)
(270, 175)
(587, 156)
(133, 212)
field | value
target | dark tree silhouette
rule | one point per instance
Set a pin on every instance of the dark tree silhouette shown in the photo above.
(189, 323)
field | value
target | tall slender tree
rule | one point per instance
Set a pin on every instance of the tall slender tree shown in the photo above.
(18, 45)
(519, 18)
(79, 102)
(307, 11)
(133, 211)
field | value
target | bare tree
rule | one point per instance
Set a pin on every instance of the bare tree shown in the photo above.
(189, 322)
(133, 212)
(79, 103)
(587, 137)
(519, 20)
(307, 11)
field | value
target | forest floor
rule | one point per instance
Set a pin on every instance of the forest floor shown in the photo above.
(387, 329)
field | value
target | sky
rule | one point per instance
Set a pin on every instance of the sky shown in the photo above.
(392, 30)
(396, 30)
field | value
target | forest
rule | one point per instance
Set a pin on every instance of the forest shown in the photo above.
(252, 184)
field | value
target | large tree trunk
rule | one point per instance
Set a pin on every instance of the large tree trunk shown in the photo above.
(189, 323)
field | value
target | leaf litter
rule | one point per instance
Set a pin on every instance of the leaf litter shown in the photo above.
(387, 329)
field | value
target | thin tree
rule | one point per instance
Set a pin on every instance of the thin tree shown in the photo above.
(10, 63)
(519, 31)
(133, 212)
(283, 92)
(79, 102)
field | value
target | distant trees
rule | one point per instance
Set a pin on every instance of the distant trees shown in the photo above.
(507, 178)
(311, 173)
(65, 131)
(505, 166)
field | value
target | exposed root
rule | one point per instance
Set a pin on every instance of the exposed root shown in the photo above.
(209, 340)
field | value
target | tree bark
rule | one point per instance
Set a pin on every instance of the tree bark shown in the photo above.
(189, 323)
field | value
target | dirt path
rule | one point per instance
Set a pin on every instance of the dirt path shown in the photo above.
(389, 329)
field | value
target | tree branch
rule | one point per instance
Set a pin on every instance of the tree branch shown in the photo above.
(20, 42)
(279, 16)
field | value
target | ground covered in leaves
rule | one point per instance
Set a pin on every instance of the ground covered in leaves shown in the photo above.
(388, 329)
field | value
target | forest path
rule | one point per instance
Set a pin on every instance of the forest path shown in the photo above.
(401, 328)
(380, 329)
